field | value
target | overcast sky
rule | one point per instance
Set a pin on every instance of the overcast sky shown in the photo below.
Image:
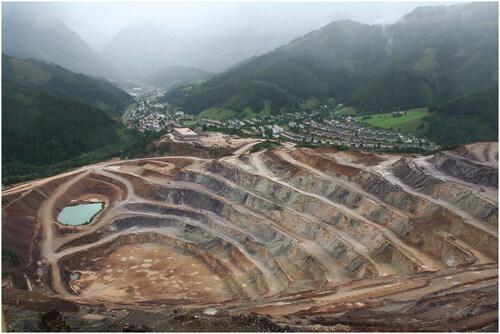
(98, 22)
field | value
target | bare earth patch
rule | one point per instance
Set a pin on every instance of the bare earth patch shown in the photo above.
(149, 272)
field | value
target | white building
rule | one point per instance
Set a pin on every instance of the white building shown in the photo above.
(185, 134)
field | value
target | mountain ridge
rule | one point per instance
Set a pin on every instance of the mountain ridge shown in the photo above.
(51, 41)
(173, 76)
(375, 68)
(62, 82)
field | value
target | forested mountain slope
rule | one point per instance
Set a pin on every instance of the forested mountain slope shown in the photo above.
(54, 119)
(64, 83)
(465, 119)
(428, 57)
(42, 128)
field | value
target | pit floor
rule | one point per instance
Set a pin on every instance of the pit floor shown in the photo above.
(141, 272)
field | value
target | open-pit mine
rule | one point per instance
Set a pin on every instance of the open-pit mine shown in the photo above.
(289, 238)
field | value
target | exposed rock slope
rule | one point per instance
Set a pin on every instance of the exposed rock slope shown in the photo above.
(312, 237)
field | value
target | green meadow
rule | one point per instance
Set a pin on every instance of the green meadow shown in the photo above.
(410, 121)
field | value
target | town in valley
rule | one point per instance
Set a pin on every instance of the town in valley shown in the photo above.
(322, 126)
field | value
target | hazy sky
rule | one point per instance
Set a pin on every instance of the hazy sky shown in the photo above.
(98, 22)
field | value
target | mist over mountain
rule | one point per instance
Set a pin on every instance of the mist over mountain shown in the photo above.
(145, 48)
(264, 166)
(141, 49)
(26, 35)
(420, 60)
(169, 77)
(430, 57)
(134, 40)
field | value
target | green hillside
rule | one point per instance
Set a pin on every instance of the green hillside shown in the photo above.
(468, 118)
(216, 113)
(427, 58)
(42, 128)
(44, 134)
(64, 83)
(395, 90)
(387, 120)
(234, 96)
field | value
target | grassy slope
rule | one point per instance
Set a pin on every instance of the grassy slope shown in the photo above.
(267, 109)
(248, 112)
(216, 113)
(386, 120)
(346, 111)
(311, 103)
(417, 124)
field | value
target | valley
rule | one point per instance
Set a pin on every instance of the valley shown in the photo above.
(304, 237)
(444, 58)
(251, 167)
(317, 126)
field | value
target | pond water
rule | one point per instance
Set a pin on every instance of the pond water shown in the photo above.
(79, 214)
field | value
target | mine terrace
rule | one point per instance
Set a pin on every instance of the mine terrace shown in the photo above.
(313, 239)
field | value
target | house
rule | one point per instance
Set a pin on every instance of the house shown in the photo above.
(277, 129)
(398, 113)
(185, 134)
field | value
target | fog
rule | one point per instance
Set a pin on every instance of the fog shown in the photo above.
(99, 22)
(141, 37)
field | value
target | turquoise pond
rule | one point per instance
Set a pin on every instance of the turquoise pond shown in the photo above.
(79, 214)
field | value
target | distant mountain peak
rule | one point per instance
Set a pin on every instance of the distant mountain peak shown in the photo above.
(460, 13)
(431, 55)
(424, 15)
(51, 40)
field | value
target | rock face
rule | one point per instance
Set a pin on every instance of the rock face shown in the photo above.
(302, 233)
(472, 163)
(465, 198)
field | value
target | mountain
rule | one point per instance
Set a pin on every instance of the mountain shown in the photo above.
(145, 48)
(468, 118)
(41, 128)
(54, 120)
(59, 81)
(140, 49)
(431, 55)
(23, 36)
(169, 77)
(456, 53)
